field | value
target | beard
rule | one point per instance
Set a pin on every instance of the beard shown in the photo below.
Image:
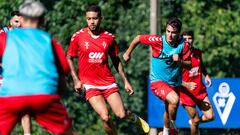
(93, 28)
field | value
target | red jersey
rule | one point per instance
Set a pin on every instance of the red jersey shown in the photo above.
(2, 46)
(3, 36)
(194, 74)
(92, 53)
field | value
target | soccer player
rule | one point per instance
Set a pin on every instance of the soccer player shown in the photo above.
(33, 64)
(169, 53)
(198, 96)
(15, 23)
(92, 45)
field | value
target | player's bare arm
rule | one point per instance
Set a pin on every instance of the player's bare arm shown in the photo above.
(207, 77)
(134, 43)
(177, 58)
(77, 83)
(208, 80)
(119, 67)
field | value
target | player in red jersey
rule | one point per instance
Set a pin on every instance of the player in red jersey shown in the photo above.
(198, 96)
(92, 45)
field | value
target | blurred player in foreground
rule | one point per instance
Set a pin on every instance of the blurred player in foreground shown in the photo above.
(14, 22)
(33, 65)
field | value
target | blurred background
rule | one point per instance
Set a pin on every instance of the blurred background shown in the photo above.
(216, 25)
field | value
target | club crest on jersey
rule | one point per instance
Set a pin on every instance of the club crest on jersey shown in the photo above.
(104, 44)
(95, 57)
(223, 101)
(86, 45)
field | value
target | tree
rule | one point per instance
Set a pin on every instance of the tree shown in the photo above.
(215, 24)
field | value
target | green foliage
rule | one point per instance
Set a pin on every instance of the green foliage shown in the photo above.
(6, 8)
(216, 28)
(215, 24)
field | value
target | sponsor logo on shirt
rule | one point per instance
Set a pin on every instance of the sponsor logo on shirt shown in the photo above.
(194, 72)
(95, 57)
(167, 58)
(104, 44)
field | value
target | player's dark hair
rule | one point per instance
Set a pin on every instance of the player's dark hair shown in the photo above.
(189, 32)
(94, 8)
(175, 23)
(13, 13)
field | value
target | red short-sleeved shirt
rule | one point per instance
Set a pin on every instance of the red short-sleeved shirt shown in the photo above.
(92, 53)
(194, 74)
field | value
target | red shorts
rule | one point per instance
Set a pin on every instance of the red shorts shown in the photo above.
(47, 110)
(95, 92)
(191, 99)
(161, 89)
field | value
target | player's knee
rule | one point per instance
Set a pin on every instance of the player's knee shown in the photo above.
(121, 115)
(105, 117)
(196, 120)
(210, 117)
(174, 101)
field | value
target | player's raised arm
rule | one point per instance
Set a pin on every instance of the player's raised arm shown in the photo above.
(134, 43)
(186, 59)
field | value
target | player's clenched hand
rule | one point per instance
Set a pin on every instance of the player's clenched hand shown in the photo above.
(176, 57)
(78, 86)
(190, 85)
(129, 88)
(126, 57)
(208, 80)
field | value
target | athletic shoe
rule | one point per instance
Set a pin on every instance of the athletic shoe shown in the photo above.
(142, 124)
